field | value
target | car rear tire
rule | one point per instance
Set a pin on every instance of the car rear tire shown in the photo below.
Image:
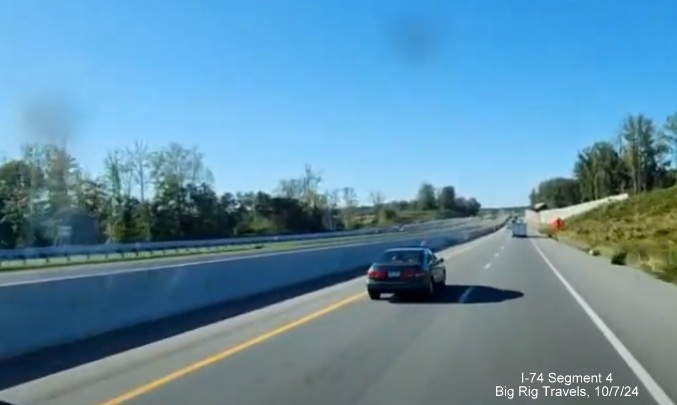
(374, 295)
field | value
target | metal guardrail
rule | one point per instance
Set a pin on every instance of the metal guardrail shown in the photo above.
(136, 248)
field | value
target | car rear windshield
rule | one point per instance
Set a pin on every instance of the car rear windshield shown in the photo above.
(401, 257)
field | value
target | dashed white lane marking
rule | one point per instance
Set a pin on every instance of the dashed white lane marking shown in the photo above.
(466, 294)
(486, 266)
(496, 255)
(651, 385)
(502, 247)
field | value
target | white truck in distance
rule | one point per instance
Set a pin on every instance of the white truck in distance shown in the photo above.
(518, 229)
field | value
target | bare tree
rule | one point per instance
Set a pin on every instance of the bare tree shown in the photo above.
(138, 162)
(334, 198)
(178, 164)
(113, 168)
(61, 176)
(311, 182)
(198, 172)
(34, 156)
(291, 188)
(123, 168)
(48, 124)
(349, 197)
(157, 164)
(377, 199)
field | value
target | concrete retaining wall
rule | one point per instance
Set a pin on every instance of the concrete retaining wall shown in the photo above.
(36, 315)
(536, 219)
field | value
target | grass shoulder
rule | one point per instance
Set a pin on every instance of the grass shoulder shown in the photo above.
(640, 232)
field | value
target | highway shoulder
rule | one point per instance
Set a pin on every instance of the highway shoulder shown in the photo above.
(637, 308)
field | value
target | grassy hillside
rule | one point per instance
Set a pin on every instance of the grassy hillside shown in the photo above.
(640, 232)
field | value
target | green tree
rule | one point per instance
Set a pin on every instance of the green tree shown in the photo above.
(447, 197)
(558, 192)
(637, 162)
(600, 172)
(426, 198)
(167, 194)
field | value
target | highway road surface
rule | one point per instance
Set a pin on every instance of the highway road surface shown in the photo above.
(512, 307)
(84, 269)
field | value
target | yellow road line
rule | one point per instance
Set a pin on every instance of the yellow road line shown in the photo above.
(229, 352)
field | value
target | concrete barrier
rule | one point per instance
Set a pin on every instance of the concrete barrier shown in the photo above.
(139, 247)
(36, 315)
(535, 219)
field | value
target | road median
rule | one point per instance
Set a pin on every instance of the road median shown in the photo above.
(36, 315)
(147, 255)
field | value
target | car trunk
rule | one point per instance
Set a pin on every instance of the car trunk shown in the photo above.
(394, 270)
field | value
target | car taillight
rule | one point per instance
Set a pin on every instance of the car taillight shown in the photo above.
(376, 274)
(412, 273)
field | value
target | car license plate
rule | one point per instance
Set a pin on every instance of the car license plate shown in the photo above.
(394, 274)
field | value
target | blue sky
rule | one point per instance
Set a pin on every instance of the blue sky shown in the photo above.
(506, 98)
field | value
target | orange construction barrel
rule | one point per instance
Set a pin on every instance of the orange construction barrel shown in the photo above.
(558, 224)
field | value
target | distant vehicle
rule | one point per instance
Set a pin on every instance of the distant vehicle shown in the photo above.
(406, 271)
(519, 229)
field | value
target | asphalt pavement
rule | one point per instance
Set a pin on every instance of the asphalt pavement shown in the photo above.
(93, 269)
(512, 307)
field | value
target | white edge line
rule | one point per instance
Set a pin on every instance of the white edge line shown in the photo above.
(642, 374)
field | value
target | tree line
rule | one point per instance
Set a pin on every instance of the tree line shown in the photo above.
(432, 202)
(641, 157)
(48, 198)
